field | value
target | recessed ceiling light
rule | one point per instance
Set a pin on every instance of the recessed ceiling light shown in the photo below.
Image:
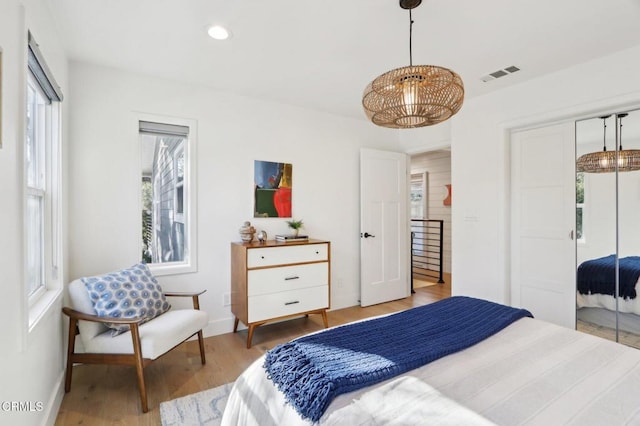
(218, 32)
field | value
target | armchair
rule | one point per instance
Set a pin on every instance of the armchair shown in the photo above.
(145, 342)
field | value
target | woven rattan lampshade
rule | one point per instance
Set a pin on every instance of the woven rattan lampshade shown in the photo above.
(413, 96)
(604, 161)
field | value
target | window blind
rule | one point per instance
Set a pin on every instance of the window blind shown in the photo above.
(150, 127)
(42, 73)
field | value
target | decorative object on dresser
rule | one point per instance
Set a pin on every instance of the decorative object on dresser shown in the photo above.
(247, 231)
(262, 236)
(290, 238)
(295, 225)
(274, 281)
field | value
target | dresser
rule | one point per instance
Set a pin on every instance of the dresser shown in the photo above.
(277, 280)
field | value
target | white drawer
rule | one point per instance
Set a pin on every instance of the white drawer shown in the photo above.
(268, 306)
(282, 255)
(285, 278)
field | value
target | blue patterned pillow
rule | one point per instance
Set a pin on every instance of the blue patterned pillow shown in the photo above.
(128, 293)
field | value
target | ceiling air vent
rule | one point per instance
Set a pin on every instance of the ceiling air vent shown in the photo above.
(500, 73)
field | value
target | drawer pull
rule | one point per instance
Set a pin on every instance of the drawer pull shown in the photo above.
(295, 277)
(292, 303)
(261, 257)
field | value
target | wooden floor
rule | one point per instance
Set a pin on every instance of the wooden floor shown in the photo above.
(108, 395)
(624, 337)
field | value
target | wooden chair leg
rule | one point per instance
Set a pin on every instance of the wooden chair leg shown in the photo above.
(201, 343)
(70, 351)
(137, 350)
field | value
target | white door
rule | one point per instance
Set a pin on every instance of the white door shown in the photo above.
(543, 220)
(384, 227)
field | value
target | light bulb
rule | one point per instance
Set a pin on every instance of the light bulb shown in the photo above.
(219, 33)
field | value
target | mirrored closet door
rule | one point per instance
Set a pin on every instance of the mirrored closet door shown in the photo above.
(608, 226)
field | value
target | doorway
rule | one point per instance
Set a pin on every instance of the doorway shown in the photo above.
(430, 200)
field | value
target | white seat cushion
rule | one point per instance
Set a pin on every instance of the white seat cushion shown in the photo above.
(156, 336)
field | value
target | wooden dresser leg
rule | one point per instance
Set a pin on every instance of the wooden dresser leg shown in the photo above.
(235, 325)
(250, 335)
(324, 318)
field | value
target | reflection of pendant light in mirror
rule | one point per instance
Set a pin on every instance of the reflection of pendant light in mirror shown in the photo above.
(413, 96)
(605, 161)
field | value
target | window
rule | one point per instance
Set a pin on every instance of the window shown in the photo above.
(42, 167)
(36, 189)
(580, 207)
(167, 237)
(418, 195)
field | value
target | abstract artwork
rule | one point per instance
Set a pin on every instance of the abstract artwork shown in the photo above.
(272, 189)
(447, 201)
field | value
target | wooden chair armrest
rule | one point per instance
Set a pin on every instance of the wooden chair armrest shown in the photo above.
(77, 315)
(193, 296)
(183, 293)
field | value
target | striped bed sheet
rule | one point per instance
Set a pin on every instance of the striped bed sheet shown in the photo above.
(530, 373)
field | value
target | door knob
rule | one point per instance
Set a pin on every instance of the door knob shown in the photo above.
(367, 235)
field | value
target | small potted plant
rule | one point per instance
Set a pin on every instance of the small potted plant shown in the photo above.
(295, 225)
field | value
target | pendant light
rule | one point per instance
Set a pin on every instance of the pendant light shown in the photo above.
(413, 96)
(609, 161)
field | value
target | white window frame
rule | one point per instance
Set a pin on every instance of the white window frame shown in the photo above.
(189, 217)
(582, 206)
(422, 176)
(47, 187)
(39, 188)
(179, 215)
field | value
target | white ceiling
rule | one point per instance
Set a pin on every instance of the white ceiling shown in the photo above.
(321, 54)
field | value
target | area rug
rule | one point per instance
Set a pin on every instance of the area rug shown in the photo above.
(201, 408)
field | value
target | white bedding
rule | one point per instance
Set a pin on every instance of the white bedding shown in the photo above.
(532, 372)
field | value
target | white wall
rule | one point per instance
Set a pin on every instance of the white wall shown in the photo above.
(31, 361)
(480, 158)
(431, 138)
(233, 131)
(438, 166)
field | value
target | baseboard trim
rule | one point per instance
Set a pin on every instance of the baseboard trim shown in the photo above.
(55, 401)
(221, 326)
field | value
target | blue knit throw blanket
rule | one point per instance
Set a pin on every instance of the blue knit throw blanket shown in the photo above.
(599, 276)
(312, 370)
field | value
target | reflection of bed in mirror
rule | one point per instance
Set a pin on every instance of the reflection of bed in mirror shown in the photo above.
(596, 288)
(607, 204)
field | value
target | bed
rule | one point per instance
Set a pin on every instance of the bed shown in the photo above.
(529, 372)
(596, 284)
